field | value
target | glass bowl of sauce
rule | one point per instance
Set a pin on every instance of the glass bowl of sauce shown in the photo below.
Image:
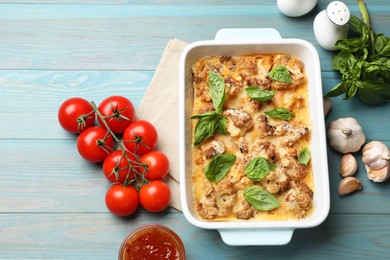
(152, 241)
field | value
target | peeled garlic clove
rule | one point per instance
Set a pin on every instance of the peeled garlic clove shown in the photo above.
(345, 135)
(348, 166)
(349, 185)
(327, 105)
(376, 155)
(378, 175)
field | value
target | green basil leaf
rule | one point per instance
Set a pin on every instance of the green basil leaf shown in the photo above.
(382, 45)
(280, 73)
(210, 113)
(259, 94)
(343, 61)
(352, 88)
(221, 127)
(258, 168)
(385, 75)
(304, 156)
(280, 112)
(217, 90)
(205, 128)
(374, 92)
(370, 71)
(260, 199)
(219, 166)
(351, 44)
(337, 90)
(356, 24)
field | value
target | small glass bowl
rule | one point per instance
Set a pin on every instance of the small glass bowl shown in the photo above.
(151, 242)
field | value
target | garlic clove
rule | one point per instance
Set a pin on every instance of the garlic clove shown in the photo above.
(378, 175)
(376, 155)
(348, 166)
(349, 185)
(346, 135)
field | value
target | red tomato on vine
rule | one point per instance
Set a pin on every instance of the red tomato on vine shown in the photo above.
(75, 115)
(157, 165)
(94, 144)
(155, 196)
(140, 137)
(118, 112)
(122, 200)
(119, 166)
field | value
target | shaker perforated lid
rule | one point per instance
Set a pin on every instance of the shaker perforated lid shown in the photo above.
(338, 13)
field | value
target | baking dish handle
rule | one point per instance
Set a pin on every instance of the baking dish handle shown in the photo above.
(256, 237)
(248, 34)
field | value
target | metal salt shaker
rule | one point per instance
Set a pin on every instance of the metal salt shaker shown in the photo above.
(330, 25)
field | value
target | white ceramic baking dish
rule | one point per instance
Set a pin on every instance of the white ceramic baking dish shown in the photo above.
(229, 42)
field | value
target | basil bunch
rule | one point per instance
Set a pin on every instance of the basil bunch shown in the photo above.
(219, 166)
(363, 62)
(258, 168)
(260, 199)
(212, 122)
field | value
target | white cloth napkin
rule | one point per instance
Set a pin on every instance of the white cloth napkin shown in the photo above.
(160, 107)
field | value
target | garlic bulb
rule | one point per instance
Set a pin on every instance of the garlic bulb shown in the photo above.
(376, 155)
(378, 175)
(345, 135)
(348, 166)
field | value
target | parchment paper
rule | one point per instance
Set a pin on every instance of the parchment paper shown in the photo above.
(160, 107)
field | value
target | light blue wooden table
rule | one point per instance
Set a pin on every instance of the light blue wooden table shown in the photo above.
(52, 201)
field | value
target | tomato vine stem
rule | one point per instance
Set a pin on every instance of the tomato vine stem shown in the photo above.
(139, 183)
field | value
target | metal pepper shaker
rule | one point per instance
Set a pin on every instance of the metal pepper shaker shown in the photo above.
(330, 25)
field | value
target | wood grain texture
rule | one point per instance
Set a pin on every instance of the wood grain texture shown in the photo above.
(72, 236)
(52, 201)
(132, 37)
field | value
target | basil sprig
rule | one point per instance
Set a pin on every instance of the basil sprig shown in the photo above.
(212, 122)
(280, 112)
(219, 166)
(259, 94)
(258, 168)
(260, 199)
(280, 73)
(304, 156)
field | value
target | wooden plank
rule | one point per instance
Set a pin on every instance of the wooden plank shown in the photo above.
(34, 96)
(50, 176)
(98, 236)
(132, 37)
(171, 2)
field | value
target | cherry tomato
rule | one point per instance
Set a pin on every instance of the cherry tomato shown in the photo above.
(157, 165)
(117, 168)
(76, 114)
(140, 137)
(94, 144)
(122, 200)
(118, 111)
(155, 196)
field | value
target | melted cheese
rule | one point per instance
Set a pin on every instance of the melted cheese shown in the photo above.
(224, 200)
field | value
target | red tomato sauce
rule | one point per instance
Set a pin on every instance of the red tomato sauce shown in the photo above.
(153, 243)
